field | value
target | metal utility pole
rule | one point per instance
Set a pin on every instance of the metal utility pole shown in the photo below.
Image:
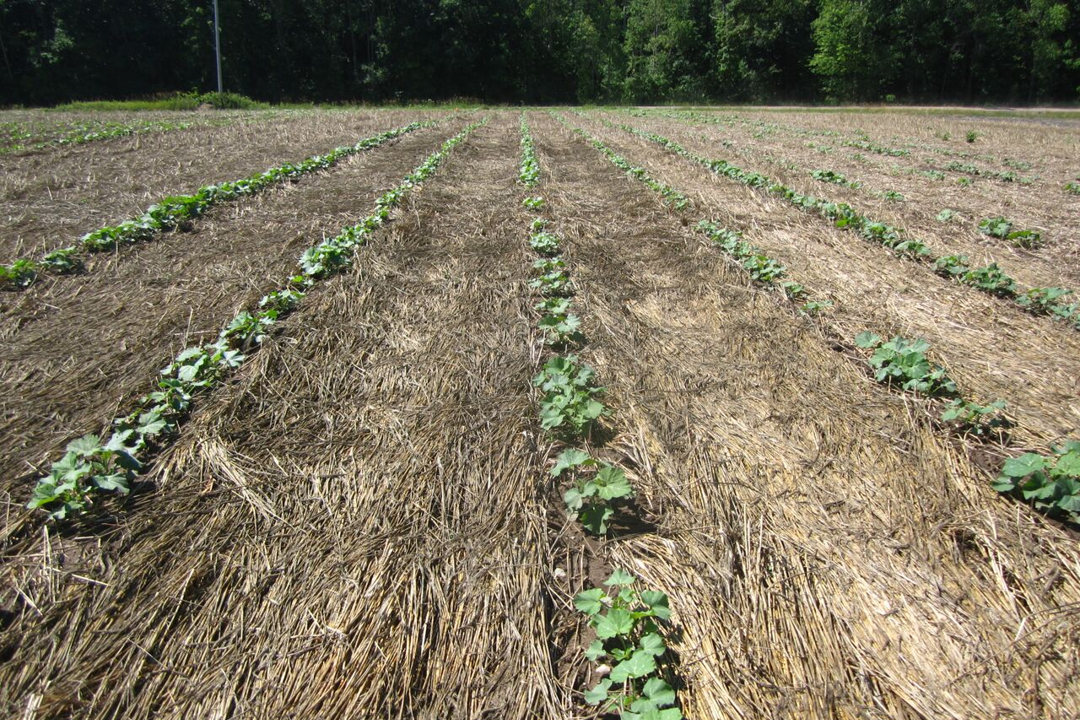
(217, 46)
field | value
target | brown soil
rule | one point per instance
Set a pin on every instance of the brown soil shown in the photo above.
(49, 200)
(76, 350)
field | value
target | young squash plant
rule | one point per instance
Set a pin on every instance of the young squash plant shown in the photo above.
(568, 406)
(597, 490)
(1050, 483)
(970, 418)
(903, 362)
(627, 626)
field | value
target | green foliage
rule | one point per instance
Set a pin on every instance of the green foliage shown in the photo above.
(971, 136)
(627, 626)
(1073, 187)
(568, 406)
(596, 491)
(561, 329)
(18, 274)
(990, 279)
(556, 283)
(1049, 301)
(998, 227)
(952, 266)
(62, 260)
(545, 243)
(533, 203)
(829, 176)
(903, 362)
(971, 418)
(1051, 483)
(946, 215)
(529, 172)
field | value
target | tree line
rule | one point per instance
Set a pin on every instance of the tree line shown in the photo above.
(546, 51)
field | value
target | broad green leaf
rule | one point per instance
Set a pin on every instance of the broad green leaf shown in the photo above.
(598, 694)
(620, 577)
(595, 651)
(112, 482)
(612, 483)
(638, 665)
(1068, 464)
(615, 623)
(86, 445)
(595, 518)
(590, 602)
(568, 460)
(1023, 465)
(659, 692)
(573, 500)
(652, 644)
(867, 340)
(658, 601)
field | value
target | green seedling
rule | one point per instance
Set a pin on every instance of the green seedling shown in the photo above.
(627, 626)
(545, 243)
(1051, 483)
(903, 362)
(970, 418)
(596, 492)
(568, 405)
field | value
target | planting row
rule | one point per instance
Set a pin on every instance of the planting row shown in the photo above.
(1050, 483)
(110, 461)
(934, 170)
(629, 646)
(1052, 302)
(18, 137)
(178, 210)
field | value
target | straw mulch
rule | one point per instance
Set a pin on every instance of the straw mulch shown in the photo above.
(49, 199)
(1043, 205)
(992, 349)
(828, 554)
(350, 529)
(75, 350)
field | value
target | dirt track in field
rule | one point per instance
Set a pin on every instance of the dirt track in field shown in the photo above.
(367, 537)
(76, 350)
(991, 348)
(51, 198)
(1044, 205)
(831, 556)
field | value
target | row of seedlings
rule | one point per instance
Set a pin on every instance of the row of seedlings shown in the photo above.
(1053, 302)
(863, 141)
(82, 133)
(178, 210)
(1050, 482)
(111, 461)
(629, 647)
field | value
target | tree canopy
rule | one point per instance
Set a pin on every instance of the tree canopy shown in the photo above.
(634, 51)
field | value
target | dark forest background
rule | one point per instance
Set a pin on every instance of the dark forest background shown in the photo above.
(540, 51)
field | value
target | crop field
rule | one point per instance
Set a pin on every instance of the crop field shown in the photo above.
(438, 413)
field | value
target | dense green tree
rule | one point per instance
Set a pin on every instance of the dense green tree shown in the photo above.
(666, 51)
(546, 50)
(763, 49)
